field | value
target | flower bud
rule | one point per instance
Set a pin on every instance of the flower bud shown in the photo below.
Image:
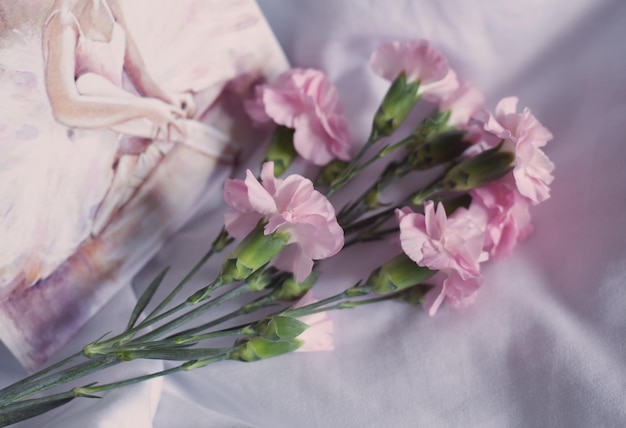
(414, 295)
(438, 149)
(290, 289)
(258, 348)
(475, 172)
(276, 328)
(479, 170)
(330, 172)
(260, 279)
(281, 150)
(255, 251)
(395, 107)
(398, 273)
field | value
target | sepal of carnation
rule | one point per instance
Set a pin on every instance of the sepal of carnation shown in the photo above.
(256, 348)
(442, 147)
(397, 274)
(277, 328)
(290, 289)
(254, 252)
(395, 107)
(477, 171)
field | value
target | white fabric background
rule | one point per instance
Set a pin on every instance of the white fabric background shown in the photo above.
(544, 344)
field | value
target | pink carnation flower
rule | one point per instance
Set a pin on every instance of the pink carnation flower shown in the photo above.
(451, 245)
(446, 244)
(506, 214)
(291, 205)
(533, 169)
(419, 60)
(306, 101)
(319, 335)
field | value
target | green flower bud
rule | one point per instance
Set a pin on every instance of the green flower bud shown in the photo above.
(290, 290)
(260, 279)
(254, 252)
(414, 295)
(398, 273)
(277, 328)
(330, 172)
(475, 172)
(395, 107)
(434, 124)
(479, 170)
(281, 150)
(438, 149)
(258, 348)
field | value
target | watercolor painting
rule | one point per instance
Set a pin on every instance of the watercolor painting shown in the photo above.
(116, 120)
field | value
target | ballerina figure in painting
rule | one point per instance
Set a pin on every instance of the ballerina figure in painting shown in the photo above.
(87, 47)
(90, 143)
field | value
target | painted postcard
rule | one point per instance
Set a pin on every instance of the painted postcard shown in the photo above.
(116, 118)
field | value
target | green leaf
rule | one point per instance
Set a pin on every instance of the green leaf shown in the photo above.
(27, 409)
(145, 298)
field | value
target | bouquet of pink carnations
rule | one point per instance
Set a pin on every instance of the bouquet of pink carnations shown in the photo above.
(487, 170)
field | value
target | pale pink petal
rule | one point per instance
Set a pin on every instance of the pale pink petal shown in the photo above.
(260, 200)
(433, 299)
(255, 108)
(309, 140)
(506, 106)
(236, 195)
(462, 104)
(416, 58)
(292, 259)
(319, 335)
(461, 292)
(441, 89)
(269, 181)
(238, 225)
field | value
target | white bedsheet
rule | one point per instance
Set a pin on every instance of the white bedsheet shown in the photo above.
(545, 342)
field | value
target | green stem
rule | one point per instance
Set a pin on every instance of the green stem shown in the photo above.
(348, 304)
(36, 376)
(303, 310)
(88, 391)
(193, 314)
(179, 287)
(76, 372)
